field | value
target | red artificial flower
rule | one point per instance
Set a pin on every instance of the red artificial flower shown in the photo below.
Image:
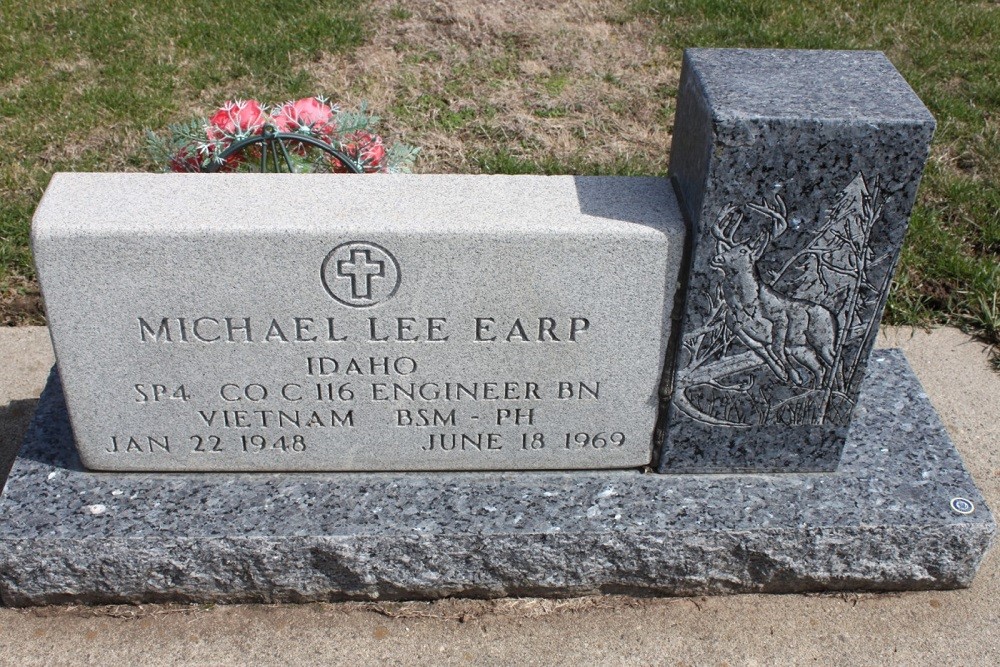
(233, 162)
(185, 160)
(366, 149)
(310, 114)
(236, 117)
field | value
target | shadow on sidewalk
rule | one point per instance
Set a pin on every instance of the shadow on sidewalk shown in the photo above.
(14, 420)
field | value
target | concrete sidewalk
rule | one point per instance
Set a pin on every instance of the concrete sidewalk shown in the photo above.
(940, 628)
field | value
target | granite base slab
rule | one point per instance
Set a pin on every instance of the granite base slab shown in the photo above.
(901, 513)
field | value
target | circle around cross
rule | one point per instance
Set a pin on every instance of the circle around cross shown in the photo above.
(360, 274)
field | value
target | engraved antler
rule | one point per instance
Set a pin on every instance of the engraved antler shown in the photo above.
(777, 213)
(725, 227)
(779, 222)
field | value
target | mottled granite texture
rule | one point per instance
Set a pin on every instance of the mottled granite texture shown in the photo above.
(884, 521)
(797, 171)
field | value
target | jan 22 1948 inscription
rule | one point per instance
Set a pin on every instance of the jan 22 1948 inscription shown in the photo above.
(398, 323)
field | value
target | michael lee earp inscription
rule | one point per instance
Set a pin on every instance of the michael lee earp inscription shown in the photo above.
(389, 323)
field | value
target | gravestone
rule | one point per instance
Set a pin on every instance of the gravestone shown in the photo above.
(403, 322)
(797, 171)
(258, 289)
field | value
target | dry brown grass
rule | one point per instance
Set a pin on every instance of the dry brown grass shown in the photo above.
(561, 82)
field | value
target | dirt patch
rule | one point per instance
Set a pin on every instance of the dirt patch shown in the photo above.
(20, 302)
(448, 609)
(550, 83)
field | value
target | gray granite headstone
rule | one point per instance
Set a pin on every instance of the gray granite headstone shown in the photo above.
(194, 317)
(316, 322)
(797, 171)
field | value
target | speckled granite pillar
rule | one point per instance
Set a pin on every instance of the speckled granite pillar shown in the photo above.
(797, 171)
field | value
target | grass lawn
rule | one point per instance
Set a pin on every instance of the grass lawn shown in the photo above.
(491, 87)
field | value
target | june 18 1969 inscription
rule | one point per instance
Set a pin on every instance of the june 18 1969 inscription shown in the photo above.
(263, 322)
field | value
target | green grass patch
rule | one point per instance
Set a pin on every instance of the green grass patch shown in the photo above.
(400, 13)
(557, 82)
(80, 80)
(551, 112)
(434, 112)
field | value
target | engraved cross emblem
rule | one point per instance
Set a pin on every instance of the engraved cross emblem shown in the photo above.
(361, 269)
(350, 270)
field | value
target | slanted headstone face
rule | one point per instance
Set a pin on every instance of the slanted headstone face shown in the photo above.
(797, 170)
(309, 322)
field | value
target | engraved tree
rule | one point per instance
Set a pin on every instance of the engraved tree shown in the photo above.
(835, 270)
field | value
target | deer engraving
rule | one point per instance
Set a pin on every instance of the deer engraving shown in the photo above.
(777, 328)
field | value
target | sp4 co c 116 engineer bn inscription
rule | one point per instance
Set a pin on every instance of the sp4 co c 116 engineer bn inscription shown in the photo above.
(782, 339)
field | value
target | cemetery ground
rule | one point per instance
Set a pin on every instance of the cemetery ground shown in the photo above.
(503, 87)
(959, 627)
(561, 87)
